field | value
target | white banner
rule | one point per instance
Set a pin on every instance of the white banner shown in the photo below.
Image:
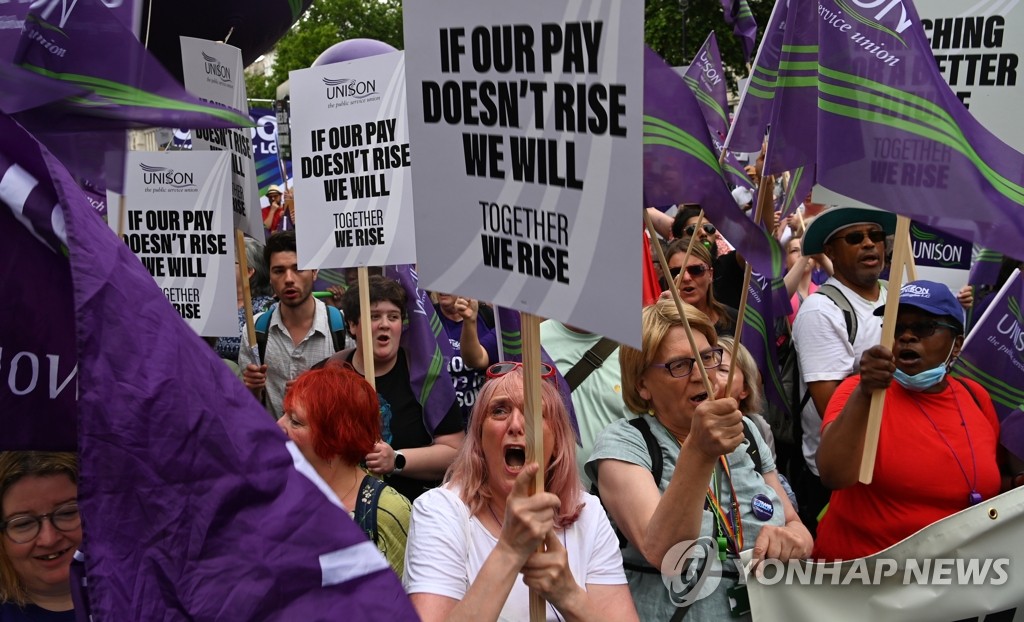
(351, 162)
(176, 221)
(213, 72)
(525, 122)
(967, 567)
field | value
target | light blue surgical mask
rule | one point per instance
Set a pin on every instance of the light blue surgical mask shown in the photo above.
(923, 380)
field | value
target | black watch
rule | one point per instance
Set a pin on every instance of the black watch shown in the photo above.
(399, 462)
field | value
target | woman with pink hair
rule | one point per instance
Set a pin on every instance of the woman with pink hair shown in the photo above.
(473, 543)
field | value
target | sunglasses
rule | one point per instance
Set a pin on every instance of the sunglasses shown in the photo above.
(924, 328)
(498, 370)
(857, 237)
(695, 271)
(708, 229)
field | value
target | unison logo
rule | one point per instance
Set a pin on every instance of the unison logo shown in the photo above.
(216, 69)
(348, 88)
(152, 175)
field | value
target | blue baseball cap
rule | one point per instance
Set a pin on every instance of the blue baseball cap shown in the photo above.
(935, 298)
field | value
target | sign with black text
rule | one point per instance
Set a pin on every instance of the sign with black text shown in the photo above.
(213, 72)
(351, 162)
(176, 221)
(525, 122)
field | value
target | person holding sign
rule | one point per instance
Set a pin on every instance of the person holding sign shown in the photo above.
(419, 454)
(938, 442)
(473, 543)
(717, 489)
(42, 529)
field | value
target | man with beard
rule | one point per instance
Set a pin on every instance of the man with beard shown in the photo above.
(299, 333)
(836, 324)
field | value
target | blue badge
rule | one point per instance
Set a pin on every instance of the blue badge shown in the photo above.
(762, 506)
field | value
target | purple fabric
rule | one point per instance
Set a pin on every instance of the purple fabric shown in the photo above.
(426, 347)
(767, 303)
(681, 166)
(754, 110)
(192, 507)
(738, 15)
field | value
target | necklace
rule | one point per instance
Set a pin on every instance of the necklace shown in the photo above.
(501, 524)
(974, 497)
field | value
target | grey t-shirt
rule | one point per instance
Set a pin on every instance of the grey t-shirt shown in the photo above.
(621, 441)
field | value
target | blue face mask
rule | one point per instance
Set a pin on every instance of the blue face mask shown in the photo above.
(924, 380)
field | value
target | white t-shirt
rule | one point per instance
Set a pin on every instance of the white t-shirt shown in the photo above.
(447, 547)
(825, 352)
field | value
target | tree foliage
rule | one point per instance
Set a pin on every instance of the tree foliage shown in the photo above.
(677, 41)
(325, 23)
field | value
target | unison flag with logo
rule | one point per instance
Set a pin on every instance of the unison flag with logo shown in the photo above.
(194, 505)
(681, 166)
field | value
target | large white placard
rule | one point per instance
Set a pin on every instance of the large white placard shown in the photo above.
(351, 162)
(213, 72)
(177, 222)
(525, 123)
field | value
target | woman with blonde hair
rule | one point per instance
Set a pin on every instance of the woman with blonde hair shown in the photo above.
(473, 542)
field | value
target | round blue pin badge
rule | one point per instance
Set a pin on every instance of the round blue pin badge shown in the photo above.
(762, 506)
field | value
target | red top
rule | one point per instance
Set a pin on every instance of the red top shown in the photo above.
(917, 480)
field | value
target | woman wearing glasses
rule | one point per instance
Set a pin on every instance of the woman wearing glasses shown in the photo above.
(937, 444)
(41, 532)
(694, 283)
(710, 501)
(473, 542)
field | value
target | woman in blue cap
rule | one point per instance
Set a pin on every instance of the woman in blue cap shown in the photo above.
(937, 445)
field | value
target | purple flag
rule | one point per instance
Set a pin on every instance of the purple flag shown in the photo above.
(801, 181)
(706, 79)
(426, 347)
(681, 166)
(194, 506)
(738, 15)
(755, 108)
(993, 356)
(891, 133)
(984, 277)
(510, 344)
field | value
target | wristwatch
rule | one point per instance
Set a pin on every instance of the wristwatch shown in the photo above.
(399, 462)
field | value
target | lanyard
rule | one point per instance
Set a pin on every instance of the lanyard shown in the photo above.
(729, 523)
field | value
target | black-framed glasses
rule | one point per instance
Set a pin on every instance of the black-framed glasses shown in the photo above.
(707, 227)
(498, 370)
(696, 271)
(923, 328)
(24, 528)
(856, 237)
(681, 368)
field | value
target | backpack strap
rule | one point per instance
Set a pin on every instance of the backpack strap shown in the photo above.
(337, 323)
(752, 448)
(834, 294)
(653, 449)
(590, 361)
(366, 507)
(262, 327)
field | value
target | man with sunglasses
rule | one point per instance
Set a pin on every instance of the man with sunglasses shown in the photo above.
(835, 325)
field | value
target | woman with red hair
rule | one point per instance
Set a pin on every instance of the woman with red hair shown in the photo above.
(473, 543)
(333, 417)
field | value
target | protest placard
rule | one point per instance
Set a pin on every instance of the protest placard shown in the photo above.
(351, 161)
(177, 223)
(525, 123)
(213, 72)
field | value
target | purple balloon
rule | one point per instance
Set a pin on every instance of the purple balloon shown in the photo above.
(352, 50)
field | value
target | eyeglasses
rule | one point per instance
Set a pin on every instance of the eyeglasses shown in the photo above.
(24, 528)
(681, 368)
(857, 237)
(707, 227)
(500, 369)
(696, 271)
(924, 328)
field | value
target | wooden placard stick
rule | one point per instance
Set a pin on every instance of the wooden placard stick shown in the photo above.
(122, 209)
(243, 273)
(900, 252)
(365, 326)
(534, 415)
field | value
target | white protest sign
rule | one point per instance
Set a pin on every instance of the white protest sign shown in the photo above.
(177, 222)
(350, 158)
(525, 123)
(213, 72)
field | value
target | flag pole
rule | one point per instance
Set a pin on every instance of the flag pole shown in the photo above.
(900, 252)
(365, 329)
(534, 415)
(243, 273)
(679, 305)
(121, 211)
